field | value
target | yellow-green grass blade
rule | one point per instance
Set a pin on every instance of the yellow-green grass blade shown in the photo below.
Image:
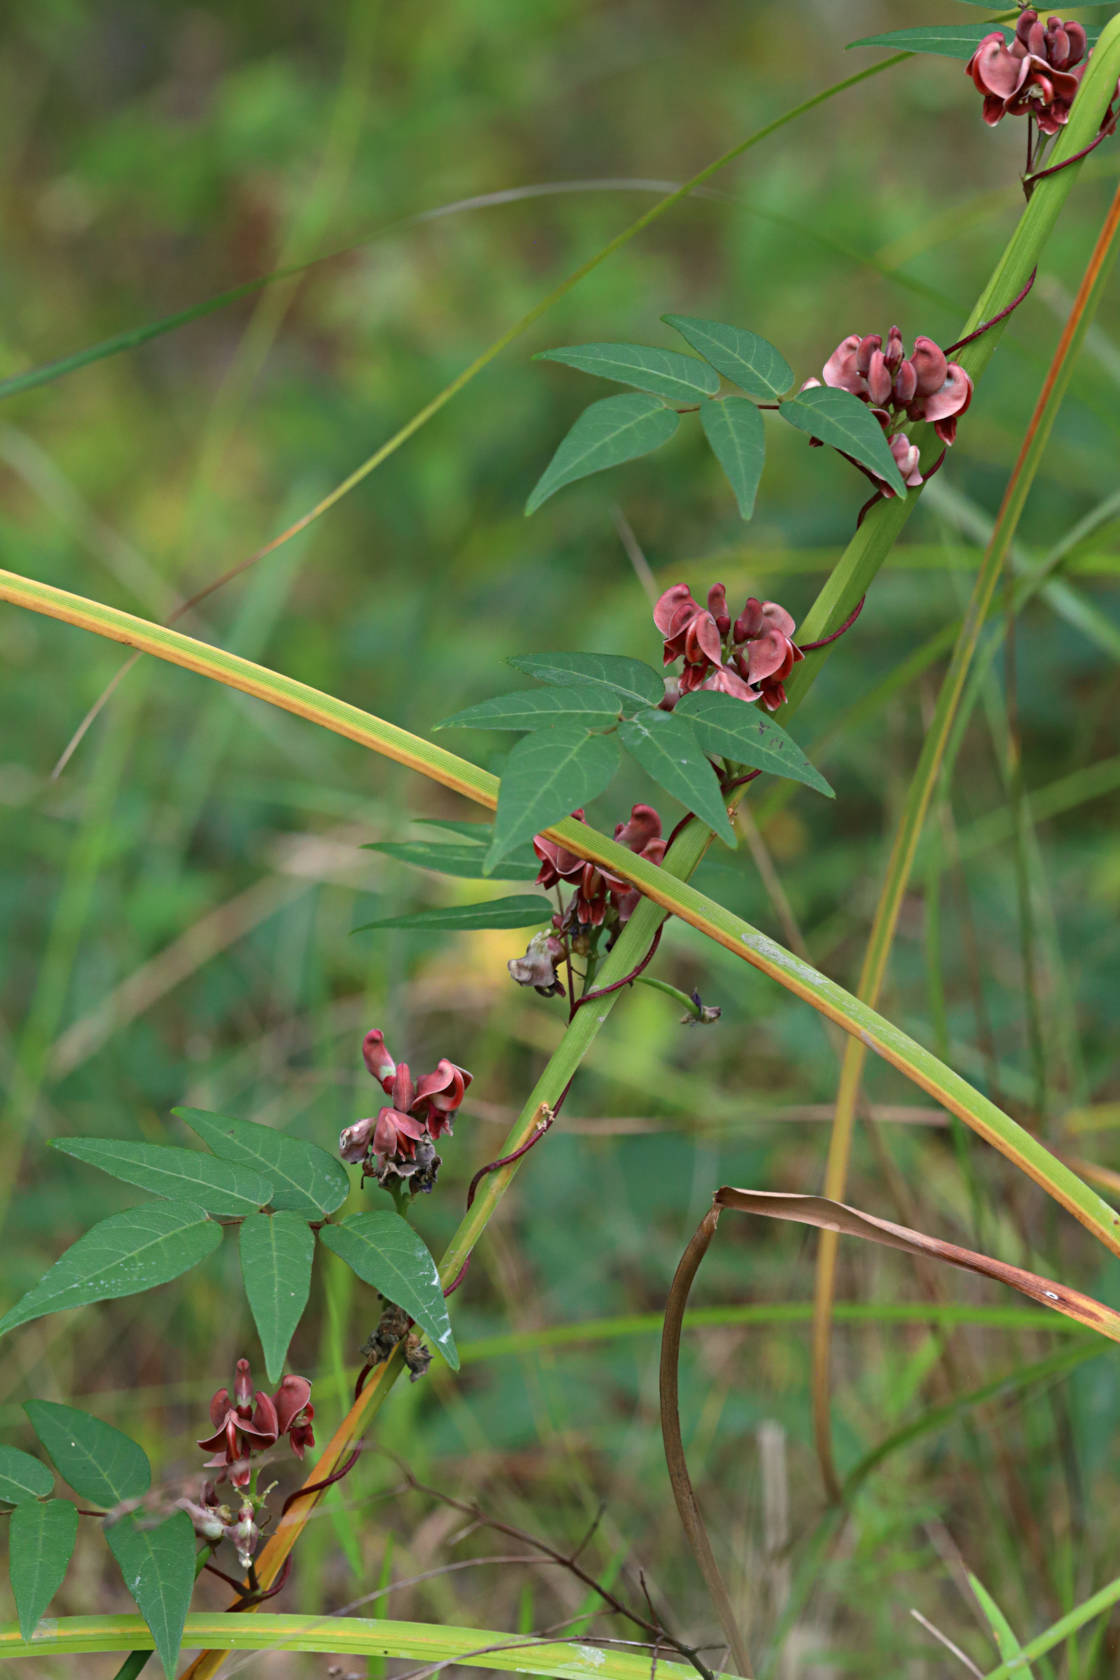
(656, 884)
(921, 790)
(349, 1636)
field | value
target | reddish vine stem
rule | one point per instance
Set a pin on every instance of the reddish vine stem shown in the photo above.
(605, 991)
(741, 781)
(986, 326)
(1055, 168)
(504, 1161)
(811, 647)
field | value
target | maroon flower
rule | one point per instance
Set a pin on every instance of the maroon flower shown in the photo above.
(750, 658)
(600, 898)
(252, 1422)
(900, 389)
(440, 1094)
(589, 904)
(1037, 76)
(397, 1142)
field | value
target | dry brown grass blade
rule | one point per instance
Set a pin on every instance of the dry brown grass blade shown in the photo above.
(837, 1217)
(847, 1221)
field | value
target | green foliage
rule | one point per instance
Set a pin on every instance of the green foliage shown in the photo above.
(747, 360)
(606, 434)
(592, 707)
(386, 1252)
(737, 437)
(101, 1463)
(668, 750)
(40, 1545)
(305, 1178)
(635, 681)
(664, 372)
(519, 911)
(276, 1252)
(219, 1187)
(122, 1255)
(946, 40)
(730, 728)
(463, 858)
(1007, 1644)
(158, 1566)
(840, 419)
(551, 772)
(22, 1478)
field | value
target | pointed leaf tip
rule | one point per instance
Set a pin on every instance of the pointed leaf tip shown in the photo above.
(737, 439)
(384, 1251)
(608, 433)
(667, 749)
(547, 775)
(841, 420)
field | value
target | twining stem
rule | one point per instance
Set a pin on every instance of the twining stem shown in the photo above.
(663, 888)
(684, 1494)
(923, 783)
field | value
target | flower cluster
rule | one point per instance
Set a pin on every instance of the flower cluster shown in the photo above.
(251, 1422)
(922, 386)
(750, 658)
(398, 1143)
(1037, 76)
(599, 895)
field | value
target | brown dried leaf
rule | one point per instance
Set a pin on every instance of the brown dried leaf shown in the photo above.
(850, 1222)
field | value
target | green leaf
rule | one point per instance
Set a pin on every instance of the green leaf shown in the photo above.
(737, 437)
(548, 774)
(582, 703)
(22, 1478)
(384, 1250)
(839, 418)
(276, 1254)
(519, 911)
(1003, 1633)
(305, 1179)
(606, 434)
(946, 40)
(463, 858)
(744, 733)
(748, 361)
(100, 1463)
(666, 372)
(637, 682)
(158, 1566)
(667, 749)
(217, 1186)
(122, 1255)
(41, 1544)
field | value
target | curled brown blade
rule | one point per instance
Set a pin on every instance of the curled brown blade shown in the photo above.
(827, 1215)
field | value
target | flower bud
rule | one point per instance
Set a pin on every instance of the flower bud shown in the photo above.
(243, 1385)
(1027, 19)
(353, 1143)
(905, 384)
(717, 606)
(879, 378)
(537, 968)
(867, 348)
(377, 1058)
(892, 355)
(208, 1525)
(749, 622)
(929, 365)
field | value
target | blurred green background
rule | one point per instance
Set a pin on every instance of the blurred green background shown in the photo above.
(178, 904)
